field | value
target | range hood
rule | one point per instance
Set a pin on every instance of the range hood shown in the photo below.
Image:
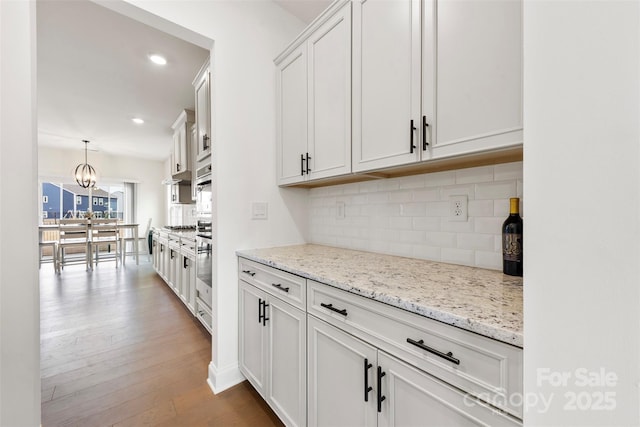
(171, 181)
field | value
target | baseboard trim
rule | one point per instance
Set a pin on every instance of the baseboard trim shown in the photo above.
(220, 380)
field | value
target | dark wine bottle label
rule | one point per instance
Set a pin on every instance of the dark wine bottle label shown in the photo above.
(512, 247)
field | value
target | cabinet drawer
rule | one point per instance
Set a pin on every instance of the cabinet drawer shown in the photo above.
(486, 368)
(204, 293)
(288, 287)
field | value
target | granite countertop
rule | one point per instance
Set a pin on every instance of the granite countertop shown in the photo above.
(483, 301)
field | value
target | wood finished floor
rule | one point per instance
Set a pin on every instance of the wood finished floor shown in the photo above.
(119, 349)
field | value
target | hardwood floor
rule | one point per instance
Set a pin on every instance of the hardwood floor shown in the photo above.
(119, 349)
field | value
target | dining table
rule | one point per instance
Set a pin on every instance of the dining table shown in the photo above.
(133, 227)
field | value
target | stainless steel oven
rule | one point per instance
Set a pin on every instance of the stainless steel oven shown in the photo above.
(204, 267)
(204, 203)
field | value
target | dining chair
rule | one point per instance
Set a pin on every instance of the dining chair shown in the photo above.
(46, 241)
(73, 238)
(105, 234)
(142, 238)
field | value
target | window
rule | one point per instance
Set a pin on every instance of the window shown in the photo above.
(109, 200)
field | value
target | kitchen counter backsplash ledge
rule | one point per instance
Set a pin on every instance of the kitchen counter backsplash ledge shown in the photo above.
(483, 301)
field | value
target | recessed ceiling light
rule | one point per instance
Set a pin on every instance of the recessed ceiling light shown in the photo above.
(137, 120)
(158, 59)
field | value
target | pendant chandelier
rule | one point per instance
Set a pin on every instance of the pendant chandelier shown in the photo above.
(85, 173)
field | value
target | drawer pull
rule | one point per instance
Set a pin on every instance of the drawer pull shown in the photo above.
(381, 398)
(249, 272)
(367, 387)
(448, 356)
(332, 308)
(279, 286)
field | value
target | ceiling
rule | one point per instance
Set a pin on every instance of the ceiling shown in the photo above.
(94, 76)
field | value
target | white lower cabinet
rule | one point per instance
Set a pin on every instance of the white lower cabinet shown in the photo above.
(188, 279)
(352, 383)
(321, 356)
(339, 377)
(272, 350)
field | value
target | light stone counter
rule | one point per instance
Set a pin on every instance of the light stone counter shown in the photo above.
(483, 301)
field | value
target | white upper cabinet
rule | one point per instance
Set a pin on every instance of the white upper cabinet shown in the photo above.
(202, 85)
(329, 126)
(376, 84)
(434, 79)
(181, 162)
(475, 48)
(314, 101)
(292, 117)
(386, 83)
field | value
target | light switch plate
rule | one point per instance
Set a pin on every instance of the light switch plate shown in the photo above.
(259, 210)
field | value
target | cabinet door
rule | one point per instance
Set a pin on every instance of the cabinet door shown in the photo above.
(414, 398)
(184, 278)
(203, 115)
(191, 299)
(194, 166)
(252, 338)
(287, 385)
(292, 117)
(337, 376)
(386, 83)
(173, 268)
(329, 131)
(479, 74)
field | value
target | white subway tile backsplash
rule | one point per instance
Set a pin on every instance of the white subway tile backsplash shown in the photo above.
(480, 208)
(416, 181)
(427, 195)
(489, 225)
(381, 197)
(457, 226)
(401, 249)
(507, 171)
(412, 236)
(409, 216)
(496, 190)
(491, 260)
(481, 242)
(438, 179)
(427, 252)
(474, 175)
(400, 196)
(440, 209)
(400, 223)
(442, 239)
(457, 190)
(458, 256)
(426, 223)
(413, 209)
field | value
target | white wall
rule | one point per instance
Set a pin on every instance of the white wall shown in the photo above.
(247, 36)
(148, 174)
(582, 281)
(410, 216)
(19, 295)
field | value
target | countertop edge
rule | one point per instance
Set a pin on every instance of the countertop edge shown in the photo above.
(508, 337)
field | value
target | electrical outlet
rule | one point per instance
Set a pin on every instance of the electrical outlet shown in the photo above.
(340, 214)
(458, 208)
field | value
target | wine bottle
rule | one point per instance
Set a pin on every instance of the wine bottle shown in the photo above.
(512, 240)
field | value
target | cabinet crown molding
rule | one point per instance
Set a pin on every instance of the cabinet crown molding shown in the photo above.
(304, 35)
